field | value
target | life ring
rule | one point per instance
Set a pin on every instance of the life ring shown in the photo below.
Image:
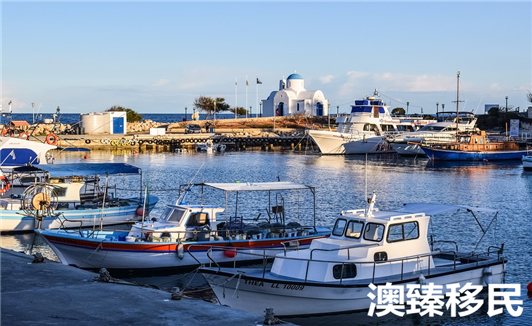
(7, 132)
(6, 184)
(51, 139)
(24, 134)
(87, 141)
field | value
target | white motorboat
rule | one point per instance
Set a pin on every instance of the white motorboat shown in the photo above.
(210, 147)
(187, 235)
(527, 161)
(66, 196)
(17, 152)
(367, 246)
(364, 130)
(432, 134)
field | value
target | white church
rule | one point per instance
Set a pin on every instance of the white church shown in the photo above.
(293, 99)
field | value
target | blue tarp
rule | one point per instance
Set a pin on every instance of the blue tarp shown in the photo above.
(83, 169)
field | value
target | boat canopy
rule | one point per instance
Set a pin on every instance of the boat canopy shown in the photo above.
(258, 186)
(82, 169)
(433, 209)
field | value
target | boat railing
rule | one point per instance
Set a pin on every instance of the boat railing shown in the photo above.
(454, 256)
(444, 241)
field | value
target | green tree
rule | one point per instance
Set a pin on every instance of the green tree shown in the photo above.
(240, 110)
(131, 115)
(207, 105)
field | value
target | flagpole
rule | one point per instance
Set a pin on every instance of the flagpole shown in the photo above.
(236, 99)
(256, 93)
(246, 107)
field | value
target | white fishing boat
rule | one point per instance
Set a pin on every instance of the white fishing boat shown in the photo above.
(408, 144)
(187, 235)
(67, 196)
(364, 130)
(367, 246)
(527, 161)
(20, 151)
(210, 147)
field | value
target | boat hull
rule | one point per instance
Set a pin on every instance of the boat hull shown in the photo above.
(18, 151)
(450, 155)
(108, 250)
(527, 162)
(17, 221)
(293, 298)
(335, 143)
(405, 149)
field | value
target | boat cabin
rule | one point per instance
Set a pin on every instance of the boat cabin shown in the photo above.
(180, 223)
(364, 244)
(478, 142)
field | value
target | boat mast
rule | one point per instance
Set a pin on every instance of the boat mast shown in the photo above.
(457, 101)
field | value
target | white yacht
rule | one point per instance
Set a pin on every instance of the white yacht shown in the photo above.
(432, 134)
(367, 248)
(364, 130)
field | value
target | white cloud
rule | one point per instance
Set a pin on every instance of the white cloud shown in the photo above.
(495, 87)
(326, 79)
(161, 82)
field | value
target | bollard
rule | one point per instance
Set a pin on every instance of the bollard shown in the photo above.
(176, 293)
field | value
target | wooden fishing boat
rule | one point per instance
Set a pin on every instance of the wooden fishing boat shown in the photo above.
(187, 235)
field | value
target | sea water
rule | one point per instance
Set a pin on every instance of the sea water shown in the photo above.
(343, 183)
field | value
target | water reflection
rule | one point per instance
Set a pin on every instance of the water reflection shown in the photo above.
(342, 182)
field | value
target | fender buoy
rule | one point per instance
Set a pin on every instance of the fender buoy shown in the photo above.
(6, 184)
(141, 141)
(4, 131)
(87, 141)
(180, 251)
(51, 139)
(24, 135)
(230, 253)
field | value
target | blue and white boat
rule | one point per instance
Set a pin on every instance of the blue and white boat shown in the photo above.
(527, 161)
(475, 147)
(367, 247)
(67, 196)
(17, 152)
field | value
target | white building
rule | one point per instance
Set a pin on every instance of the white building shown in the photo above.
(293, 99)
(107, 122)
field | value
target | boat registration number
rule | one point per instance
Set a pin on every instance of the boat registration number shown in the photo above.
(297, 287)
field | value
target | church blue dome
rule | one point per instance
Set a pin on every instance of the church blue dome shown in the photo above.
(294, 76)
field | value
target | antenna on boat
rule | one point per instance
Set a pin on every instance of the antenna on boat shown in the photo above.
(182, 198)
(370, 201)
(457, 101)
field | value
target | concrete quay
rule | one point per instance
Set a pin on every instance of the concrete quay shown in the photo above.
(50, 293)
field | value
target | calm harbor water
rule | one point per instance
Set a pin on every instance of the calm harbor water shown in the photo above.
(341, 184)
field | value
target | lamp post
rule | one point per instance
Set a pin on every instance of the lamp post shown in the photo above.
(506, 104)
(33, 112)
(437, 110)
(186, 113)
(193, 113)
(250, 112)
(215, 114)
(260, 108)
(407, 104)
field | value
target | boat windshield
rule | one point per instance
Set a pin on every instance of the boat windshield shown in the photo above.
(173, 214)
(354, 229)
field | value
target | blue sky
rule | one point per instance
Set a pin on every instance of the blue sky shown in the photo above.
(157, 57)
